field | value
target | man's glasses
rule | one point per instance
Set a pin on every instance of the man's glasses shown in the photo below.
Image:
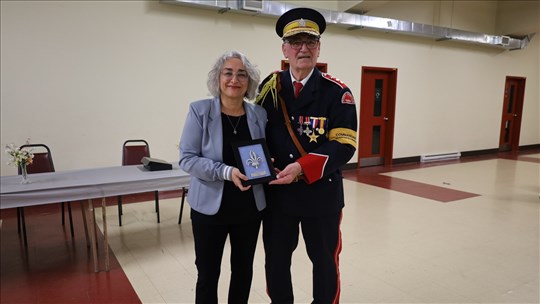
(297, 44)
(240, 76)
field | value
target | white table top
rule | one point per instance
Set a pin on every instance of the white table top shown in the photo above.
(76, 185)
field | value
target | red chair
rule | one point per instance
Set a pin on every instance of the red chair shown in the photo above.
(42, 162)
(133, 151)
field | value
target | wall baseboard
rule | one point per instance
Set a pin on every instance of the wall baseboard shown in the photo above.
(529, 147)
(479, 152)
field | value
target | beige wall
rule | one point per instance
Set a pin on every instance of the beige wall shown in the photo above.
(83, 76)
(477, 16)
(518, 17)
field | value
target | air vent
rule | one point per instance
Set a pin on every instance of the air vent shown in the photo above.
(439, 157)
(251, 5)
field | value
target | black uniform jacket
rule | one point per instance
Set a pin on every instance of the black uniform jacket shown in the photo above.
(324, 120)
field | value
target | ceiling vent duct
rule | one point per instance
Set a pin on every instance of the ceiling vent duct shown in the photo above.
(355, 21)
(251, 5)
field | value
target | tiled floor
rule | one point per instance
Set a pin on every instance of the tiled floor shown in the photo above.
(460, 232)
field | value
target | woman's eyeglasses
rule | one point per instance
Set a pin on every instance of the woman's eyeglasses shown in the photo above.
(240, 76)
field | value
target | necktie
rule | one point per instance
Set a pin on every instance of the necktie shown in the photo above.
(297, 87)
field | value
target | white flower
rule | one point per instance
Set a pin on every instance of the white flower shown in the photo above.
(18, 157)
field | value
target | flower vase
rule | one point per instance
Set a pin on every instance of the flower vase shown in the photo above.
(24, 173)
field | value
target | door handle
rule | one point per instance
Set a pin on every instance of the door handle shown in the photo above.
(515, 115)
(386, 118)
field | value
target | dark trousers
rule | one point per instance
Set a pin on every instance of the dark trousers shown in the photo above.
(209, 244)
(322, 237)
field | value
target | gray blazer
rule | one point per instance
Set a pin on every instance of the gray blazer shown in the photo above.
(201, 153)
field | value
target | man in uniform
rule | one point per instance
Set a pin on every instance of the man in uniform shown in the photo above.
(311, 134)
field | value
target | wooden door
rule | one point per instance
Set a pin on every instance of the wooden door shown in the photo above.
(514, 91)
(377, 109)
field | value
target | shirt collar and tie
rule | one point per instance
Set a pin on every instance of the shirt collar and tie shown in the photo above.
(298, 85)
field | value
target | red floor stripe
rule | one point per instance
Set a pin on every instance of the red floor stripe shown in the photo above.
(57, 268)
(372, 176)
(428, 191)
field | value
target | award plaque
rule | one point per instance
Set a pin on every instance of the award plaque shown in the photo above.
(254, 161)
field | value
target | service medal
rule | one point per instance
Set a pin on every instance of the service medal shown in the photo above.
(322, 125)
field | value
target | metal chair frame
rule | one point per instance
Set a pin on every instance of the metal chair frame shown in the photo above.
(127, 160)
(49, 167)
(184, 193)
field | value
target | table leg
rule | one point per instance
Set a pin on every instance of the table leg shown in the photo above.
(95, 225)
(83, 211)
(105, 234)
(90, 217)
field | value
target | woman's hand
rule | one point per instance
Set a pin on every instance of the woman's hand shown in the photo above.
(237, 178)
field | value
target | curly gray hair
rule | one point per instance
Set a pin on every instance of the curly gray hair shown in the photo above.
(215, 72)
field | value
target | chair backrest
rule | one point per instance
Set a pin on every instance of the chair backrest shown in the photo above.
(42, 161)
(133, 151)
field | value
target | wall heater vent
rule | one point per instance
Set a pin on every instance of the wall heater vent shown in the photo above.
(438, 157)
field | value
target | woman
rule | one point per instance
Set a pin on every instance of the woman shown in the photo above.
(220, 205)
